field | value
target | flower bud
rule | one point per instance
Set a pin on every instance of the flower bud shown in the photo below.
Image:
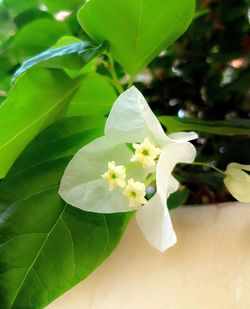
(237, 181)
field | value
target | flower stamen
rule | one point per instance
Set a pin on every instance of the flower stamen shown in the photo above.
(145, 153)
(115, 175)
(135, 191)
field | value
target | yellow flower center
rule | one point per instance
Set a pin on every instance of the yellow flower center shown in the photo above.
(145, 153)
(115, 175)
(135, 191)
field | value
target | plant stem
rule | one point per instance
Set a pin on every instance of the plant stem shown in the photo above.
(130, 83)
(150, 179)
(210, 166)
(111, 68)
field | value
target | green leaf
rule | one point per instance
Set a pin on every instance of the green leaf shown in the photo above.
(69, 130)
(29, 16)
(2, 98)
(94, 98)
(71, 62)
(48, 246)
(67, 40)
(37, 99)
(80, 53)
(224, 127)
(37, 36)
(137, 30)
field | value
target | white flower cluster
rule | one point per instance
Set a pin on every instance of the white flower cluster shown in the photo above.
(146, 154)
(132, 122)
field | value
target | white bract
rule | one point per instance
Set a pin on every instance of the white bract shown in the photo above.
(238, 182)
(94, 179)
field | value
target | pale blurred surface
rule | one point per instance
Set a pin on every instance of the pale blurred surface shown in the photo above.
(209, 268)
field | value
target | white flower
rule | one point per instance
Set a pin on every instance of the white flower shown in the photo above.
(238, 182)
(115, 175)
(130, 121)
(145, 153)
(135, 191)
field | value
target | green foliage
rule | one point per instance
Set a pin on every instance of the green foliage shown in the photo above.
(204, 79)
(226, 127)
(93, 103)
(135, 37)
(206, 72)
(48, 246)
(28, 16)
(44, 33)
(76, 54)
(37, 99)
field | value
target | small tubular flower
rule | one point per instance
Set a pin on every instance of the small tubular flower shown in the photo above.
(115, 175)
(237, 181)
(135, 191)
(130, 121)
(145, 153)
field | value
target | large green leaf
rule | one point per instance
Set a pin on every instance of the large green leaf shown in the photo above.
(37, 36)
(95, 97)
(37, 99)
(137, 30)
(75, 55)
(48, 246)
(224, 127)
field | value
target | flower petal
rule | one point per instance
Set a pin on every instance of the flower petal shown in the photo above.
(82, 185)
(173, 185)
(155, 223)
(182, 137)
(172, 154)
(233, 165)
(131, 120)
(238, 182)
(153, 218)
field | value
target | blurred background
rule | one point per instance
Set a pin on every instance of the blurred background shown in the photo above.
(204, 75)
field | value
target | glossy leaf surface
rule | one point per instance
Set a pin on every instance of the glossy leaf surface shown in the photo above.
(36, 99)
(137, 30)
(95, 97)
(83, 51)
(48, 246)
(37, 36)
(224, 127)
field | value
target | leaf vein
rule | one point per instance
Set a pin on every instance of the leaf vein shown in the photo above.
(36, 257)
